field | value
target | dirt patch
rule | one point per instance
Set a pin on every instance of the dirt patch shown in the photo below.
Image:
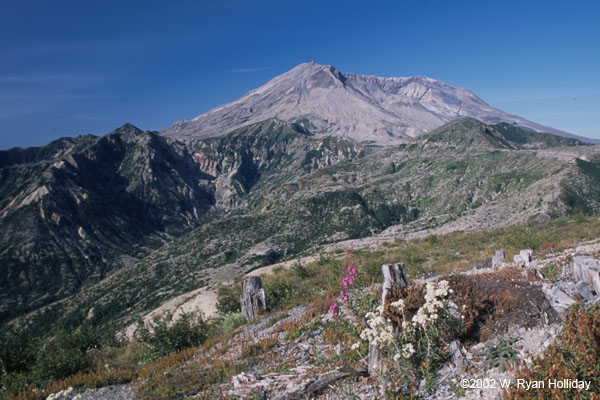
(489, 302)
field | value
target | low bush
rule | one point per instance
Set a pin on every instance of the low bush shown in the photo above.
(233, 321)
(163, 335)
(34, 364)
(228, 299)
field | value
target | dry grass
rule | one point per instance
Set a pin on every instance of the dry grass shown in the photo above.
(460, 251)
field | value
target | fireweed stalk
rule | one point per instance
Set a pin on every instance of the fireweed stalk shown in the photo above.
(350, 273)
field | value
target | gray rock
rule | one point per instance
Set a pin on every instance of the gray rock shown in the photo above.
(459, 358)
(114, 392)
(453, 309)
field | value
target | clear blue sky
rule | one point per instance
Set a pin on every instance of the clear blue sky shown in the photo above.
(75, 67)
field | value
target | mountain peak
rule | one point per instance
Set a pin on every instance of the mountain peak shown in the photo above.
(128, 128)
(368, 109)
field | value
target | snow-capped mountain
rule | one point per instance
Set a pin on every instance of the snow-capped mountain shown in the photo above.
(365, 108)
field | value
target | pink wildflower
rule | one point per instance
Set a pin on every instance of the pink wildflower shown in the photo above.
(333, 309)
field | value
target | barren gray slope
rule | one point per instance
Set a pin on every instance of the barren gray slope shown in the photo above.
(365, 108)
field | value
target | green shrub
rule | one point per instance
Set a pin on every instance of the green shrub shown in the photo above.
(228, 299)
(527, 237)
(27, 363)
(279, 291)
(163, 336)
(233, 321)
(67, 354)
(17, 352)
(300, 270)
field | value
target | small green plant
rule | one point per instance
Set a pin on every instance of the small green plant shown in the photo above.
(300, 270)
(458, 390)
(233, 321)
(551, 272)
(500, 355)
(163, 335)
(228, 299)
(362, 301)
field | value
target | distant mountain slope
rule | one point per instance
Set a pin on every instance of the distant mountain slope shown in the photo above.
(290, 194)
(470, 134)
(77, 209)
(365, 108)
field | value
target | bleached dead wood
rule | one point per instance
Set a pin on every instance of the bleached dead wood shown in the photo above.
(252, 299)
(393, 278)
(587, 269)
(558, 299)
(498, 258)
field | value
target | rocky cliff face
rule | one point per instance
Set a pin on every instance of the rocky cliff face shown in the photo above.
(365, 108)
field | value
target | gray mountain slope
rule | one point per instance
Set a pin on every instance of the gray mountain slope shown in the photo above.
(371, 109)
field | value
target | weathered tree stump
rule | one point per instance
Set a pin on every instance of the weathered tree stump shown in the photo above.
(584, 291)
(253, 299)
(498, 258)
(375, 366)
(558, 299)
(587, 269)
(524, 258)
(393, 278)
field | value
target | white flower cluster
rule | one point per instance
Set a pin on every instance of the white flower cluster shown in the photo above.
(408, 350)
(379, 331)
(433, 303)
(399, 304)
